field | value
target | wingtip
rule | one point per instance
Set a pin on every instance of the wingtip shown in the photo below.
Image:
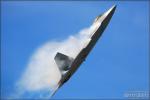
(52, 94)
(54, 91)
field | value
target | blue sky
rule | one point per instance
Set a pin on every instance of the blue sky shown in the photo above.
(118, 63)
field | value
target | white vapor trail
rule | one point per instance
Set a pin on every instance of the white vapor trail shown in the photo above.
(42, 73)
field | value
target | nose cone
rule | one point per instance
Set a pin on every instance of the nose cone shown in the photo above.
(110, 12)
(107, 15)
(103, 20)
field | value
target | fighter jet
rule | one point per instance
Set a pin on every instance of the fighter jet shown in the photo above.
(68, 65)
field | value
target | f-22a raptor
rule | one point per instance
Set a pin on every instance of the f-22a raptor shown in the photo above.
(69, 65)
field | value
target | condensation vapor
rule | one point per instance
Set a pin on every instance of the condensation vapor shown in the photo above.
(42, 73)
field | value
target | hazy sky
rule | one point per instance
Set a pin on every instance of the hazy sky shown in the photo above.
(118, 63)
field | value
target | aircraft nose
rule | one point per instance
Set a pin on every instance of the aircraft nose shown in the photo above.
(107, 15)
(113, 7)
(111, 10)
(105, 18)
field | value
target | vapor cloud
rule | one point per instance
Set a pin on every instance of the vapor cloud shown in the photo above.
(42, 73)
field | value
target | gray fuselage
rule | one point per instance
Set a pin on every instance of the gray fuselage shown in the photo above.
(85, 51)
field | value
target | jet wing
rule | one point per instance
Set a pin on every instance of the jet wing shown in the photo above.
(55, 90)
